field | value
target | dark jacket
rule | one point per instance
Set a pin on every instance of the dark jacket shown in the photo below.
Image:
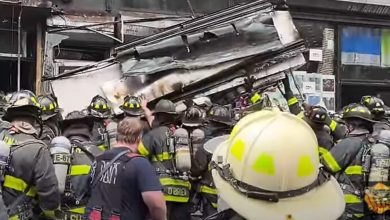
(345, 161)
(31, 166)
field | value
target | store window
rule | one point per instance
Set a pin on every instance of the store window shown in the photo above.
(364, 63)
(364, 53)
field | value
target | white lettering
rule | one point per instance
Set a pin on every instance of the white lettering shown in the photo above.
(109, 177)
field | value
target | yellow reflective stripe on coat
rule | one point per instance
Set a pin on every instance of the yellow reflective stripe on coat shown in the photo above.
(161, 157)
(174, 182)
(79, 210)
(50, 214)
(322, 150)
(331, 162)
(14, 217)
(169, 198)
(354, 170)
(214, 205)
(292, 101)
(18, 185)
(77, 170)
(103, 147)
(333, 125)
(208, 190)
(351, 199)
(142, 149)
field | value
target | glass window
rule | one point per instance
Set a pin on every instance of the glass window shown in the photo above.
(364, 53)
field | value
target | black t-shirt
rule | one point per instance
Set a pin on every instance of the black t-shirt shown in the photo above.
(139, 176)
(120, 188)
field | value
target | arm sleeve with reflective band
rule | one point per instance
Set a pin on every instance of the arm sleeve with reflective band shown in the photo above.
(146, 175)
(293, 103)
(338, 131)
(339, 157)
(146, 145)
(46, 182)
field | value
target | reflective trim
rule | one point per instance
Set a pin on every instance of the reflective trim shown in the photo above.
(169, 198)
(292, 101)
(18, 185)
(50, 214)
(322, 150)
(161, 157)
(331, 162)
(15, 217)
(79, 210)
(208, 190)
(102, 147)
(255, 98)
(358, 215)
(351, 199)
(142, 149)
(174, 182)
(214, 205)
(77, 170)
(333, 125)
(354, 170)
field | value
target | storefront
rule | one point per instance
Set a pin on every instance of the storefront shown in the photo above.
(354, 40)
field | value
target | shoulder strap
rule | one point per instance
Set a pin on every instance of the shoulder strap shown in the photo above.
(85, 150)
(93, 184)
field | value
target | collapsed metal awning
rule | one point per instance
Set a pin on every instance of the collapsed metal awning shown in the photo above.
(206, 55)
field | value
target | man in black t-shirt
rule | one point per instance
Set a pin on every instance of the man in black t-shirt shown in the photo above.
(124, 184)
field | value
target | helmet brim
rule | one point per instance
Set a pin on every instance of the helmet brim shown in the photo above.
(362, 118)
(30, 110)
(84, 120)
(47, 117)
(162, 112)
(324, 202)
(192, 124)
(229, 123)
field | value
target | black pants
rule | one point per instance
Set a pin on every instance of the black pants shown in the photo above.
(178, 210)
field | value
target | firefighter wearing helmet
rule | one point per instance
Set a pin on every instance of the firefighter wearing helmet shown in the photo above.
(218, 126)
(269, 169)
(100, 112)
(377, 109)
(51, 117)
(32, 176)
(348, 160)
(134, 106)
(159, 146)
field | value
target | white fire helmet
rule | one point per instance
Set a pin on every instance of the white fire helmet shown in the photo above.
(269, 169)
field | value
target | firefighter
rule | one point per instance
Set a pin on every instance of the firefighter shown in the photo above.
(31, 174)
(51, 116)
(77, 127)
(100, 112)
(269, 169)
(219, 124)
(159, 146)
(345, 158)
(377, 109)
(135, 107)
(318, 119)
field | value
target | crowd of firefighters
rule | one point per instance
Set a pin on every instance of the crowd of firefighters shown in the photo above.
(268, 165)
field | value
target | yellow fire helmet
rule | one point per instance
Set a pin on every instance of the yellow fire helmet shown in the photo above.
(269, 169)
